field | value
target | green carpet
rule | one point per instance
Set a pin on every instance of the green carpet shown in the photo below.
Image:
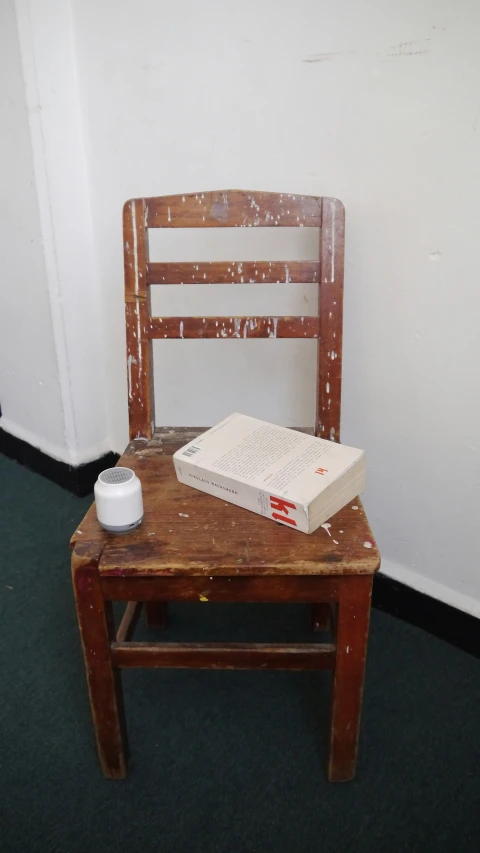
(221, 761)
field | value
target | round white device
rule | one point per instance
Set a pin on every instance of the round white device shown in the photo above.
(118, 500)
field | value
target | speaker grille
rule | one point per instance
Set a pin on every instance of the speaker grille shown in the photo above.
(113, 476)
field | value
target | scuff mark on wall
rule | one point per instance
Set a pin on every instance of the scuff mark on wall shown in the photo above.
(325, 57)
(407, 48)
(403, 48)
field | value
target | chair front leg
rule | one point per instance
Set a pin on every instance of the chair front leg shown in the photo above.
(97, 630)
(353, 617)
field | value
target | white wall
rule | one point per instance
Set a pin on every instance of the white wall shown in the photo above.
(376, 103)
(29, 384)
(52, 387)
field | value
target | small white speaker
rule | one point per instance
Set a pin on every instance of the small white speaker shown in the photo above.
(118, 500)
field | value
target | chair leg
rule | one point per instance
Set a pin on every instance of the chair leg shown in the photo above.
(156, 613)
(353, 617)
(97, 629)
(320, 617)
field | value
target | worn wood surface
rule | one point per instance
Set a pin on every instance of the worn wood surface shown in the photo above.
(97, 630)
(167, 440)
(353, 615)
(189, 532)
(329, 371)
(233, 208)
(135, 249)
(233, 272)
(300, 656)
(306, 589)
(137, 313)
(233, 327)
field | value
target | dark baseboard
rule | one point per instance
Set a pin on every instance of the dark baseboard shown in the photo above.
(78, 479)
(456, 627)
(444, 621)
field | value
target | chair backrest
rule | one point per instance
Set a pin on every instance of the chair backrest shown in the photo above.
(233, 208)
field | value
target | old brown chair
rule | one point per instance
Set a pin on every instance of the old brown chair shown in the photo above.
(194, 547)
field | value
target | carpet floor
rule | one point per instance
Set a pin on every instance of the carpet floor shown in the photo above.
(220, 761)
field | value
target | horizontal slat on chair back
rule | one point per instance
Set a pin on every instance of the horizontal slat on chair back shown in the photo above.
(233, 272)
(233, 209)
(233, 327)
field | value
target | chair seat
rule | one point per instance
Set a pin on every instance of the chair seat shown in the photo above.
(185, 531)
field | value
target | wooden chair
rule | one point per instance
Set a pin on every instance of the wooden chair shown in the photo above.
(192, 546)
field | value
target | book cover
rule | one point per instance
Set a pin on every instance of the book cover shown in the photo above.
(285, 475)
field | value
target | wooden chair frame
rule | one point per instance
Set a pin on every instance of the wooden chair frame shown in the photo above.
(104, 572)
